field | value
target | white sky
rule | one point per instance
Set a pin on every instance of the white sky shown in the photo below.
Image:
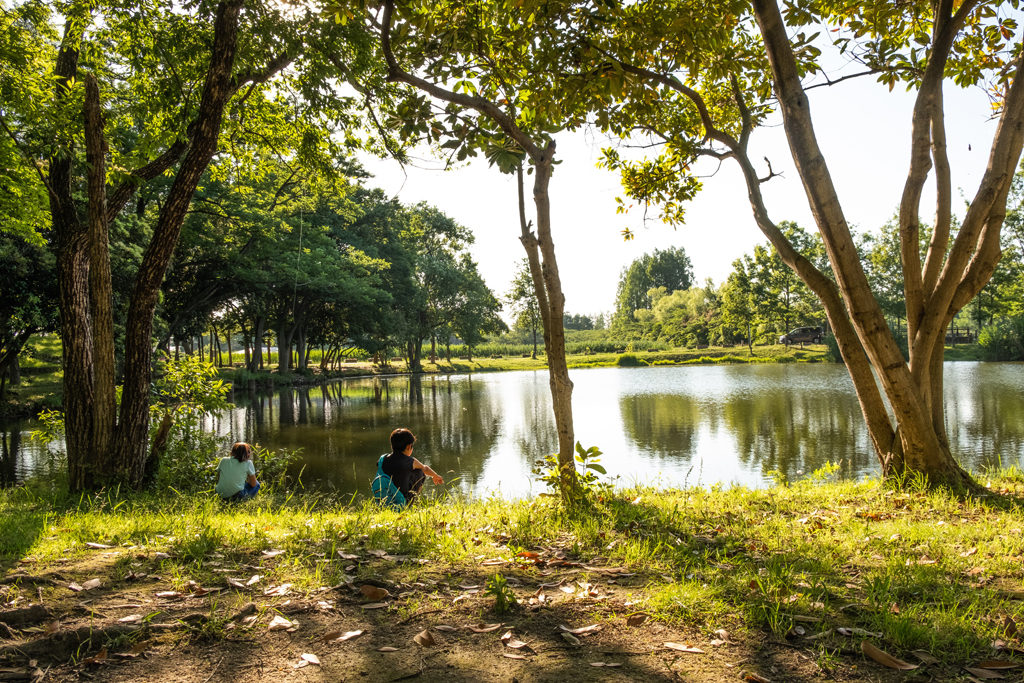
(862, 128)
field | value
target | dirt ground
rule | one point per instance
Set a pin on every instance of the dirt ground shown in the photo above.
(570, 623)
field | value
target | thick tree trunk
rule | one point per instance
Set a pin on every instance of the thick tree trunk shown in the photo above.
(133, 430)
(101, 291)
(72, 242)
(919, 445)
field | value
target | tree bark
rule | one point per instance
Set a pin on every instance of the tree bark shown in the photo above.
(134, 423)
(914, 392)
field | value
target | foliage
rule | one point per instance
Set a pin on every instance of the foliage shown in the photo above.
(588, 470)
(1003, 340)
(186, 392)
(629, 360)
(669, 269)
(504, 596)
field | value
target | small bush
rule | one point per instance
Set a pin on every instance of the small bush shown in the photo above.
(1003, 341)
(629, 360)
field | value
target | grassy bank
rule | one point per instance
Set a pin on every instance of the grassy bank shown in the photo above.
(786, 583)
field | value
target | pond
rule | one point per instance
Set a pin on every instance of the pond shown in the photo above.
(670, 426)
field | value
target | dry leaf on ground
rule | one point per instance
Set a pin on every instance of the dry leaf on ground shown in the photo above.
(424, 639)
(513, 655)
(483, 628)
(445, 627)
(98, 546)
(341, 636)
(272, 553)
(91, 584)
(997, 664)
(636, 619)
(606, 664)
(387, 648)
(374, 605)
(307, 658)
(884, 658)
(984, 673)
(581, 631)
(277, 591)
(570, 638)
(680, 647)
(924, 657)
(279, 623)
(752, 677)
(512, 642)
(374, 592)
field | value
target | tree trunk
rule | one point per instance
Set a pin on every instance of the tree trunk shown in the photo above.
(100, 289)
(231, 359)
(72, 243)
(132, 436)
(540, 253)
(919, 445)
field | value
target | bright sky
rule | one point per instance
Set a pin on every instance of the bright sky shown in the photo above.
(862, 128)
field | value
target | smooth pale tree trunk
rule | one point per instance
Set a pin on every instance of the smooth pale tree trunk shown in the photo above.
(934, 293)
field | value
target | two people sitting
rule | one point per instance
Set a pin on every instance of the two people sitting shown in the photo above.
(236, 475)
(399, 479)
(400, 476)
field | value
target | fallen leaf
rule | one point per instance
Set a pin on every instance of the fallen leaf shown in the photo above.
(884, 658)
(98, 546)
(752, 677)
(606, 664)
(169, 594)
(387, 648)
(483, 628)
(636, 619)
(75, 587)
(341, 636)
(512, 642)
(278, 591)
(424, 639)
(570, 638)
(162, 556)
(236, 583)
(91, 584)
(97, 658)
(373, 592)
(997, 664)
(680, 647)
(130, 619)
(581, 631)
(272, 553)
(513, 655)
(255, 578)
(279, 623)
(854, 631)
(374, 605)
(445, 627)
(347, 556)
(984, 673)
(924, 657)
(310, 658)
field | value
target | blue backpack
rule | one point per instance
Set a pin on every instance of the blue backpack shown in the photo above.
(385, 490)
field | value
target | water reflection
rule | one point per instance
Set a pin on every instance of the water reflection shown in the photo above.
(662, 425)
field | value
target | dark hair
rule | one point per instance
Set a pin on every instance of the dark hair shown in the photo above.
(241, 451)
(400, 438)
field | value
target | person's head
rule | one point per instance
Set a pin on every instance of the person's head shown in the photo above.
(401, 439)
(241, 451)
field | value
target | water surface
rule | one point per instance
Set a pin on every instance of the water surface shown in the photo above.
(672, 426)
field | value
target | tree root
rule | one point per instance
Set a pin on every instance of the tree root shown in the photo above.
(63, 645)
(26, 615)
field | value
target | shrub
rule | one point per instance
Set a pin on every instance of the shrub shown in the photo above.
(1004, 340)
(629, 360)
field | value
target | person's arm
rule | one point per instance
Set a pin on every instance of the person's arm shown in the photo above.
(251, 478)
(417, 465)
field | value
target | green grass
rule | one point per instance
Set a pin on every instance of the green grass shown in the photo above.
(927, 570)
